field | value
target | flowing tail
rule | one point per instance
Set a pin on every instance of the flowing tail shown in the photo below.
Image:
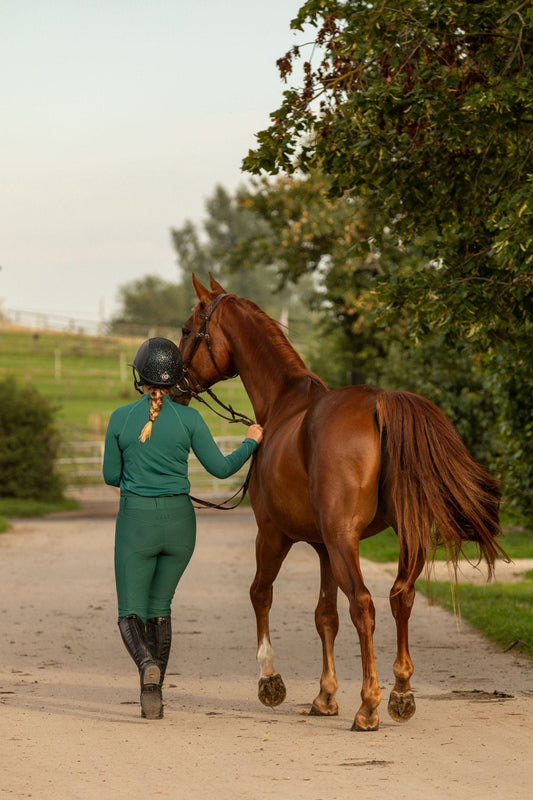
(440, 495)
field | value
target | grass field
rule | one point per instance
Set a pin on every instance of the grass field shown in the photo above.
(503, 612)
(86, 377)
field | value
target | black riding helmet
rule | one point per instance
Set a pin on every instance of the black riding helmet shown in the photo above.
(158, 362)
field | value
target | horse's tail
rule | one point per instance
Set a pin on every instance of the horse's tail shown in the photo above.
(439, 494)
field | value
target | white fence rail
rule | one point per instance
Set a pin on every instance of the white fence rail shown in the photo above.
(81, 463)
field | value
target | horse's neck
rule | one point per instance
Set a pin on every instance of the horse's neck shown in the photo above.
(271, 370)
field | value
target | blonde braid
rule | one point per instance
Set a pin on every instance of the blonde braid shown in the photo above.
(156, 401)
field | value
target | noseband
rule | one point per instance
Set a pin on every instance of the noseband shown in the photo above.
(194, 387)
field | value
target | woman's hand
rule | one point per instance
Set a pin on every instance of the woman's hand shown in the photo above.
(255, 432)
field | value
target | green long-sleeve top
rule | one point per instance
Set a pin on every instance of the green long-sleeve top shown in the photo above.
(159, 466)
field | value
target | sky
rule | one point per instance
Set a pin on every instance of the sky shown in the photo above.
(117, 120)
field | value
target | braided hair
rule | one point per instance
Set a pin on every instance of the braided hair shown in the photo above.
(156, 402)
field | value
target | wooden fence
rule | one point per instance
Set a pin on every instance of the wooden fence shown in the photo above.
(80, 463)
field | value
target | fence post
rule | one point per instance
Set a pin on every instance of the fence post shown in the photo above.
(57, 364)
(123, 365)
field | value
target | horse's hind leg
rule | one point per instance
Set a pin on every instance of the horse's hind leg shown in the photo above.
(402, 702)
(270, 550)
(327, 625)
(345, 563)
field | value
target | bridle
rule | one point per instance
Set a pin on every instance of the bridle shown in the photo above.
(203, 336)
(195, 387)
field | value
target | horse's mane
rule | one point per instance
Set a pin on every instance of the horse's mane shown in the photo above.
(273, 339)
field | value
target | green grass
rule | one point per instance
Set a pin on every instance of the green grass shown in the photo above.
(516, 541)
(86, 377)
(381, 548)
(16, 507)
(503, 612)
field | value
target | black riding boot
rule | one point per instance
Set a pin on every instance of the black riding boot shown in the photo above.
(134, 637)
(159, 641)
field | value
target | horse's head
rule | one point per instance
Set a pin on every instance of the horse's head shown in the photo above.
(204, 348)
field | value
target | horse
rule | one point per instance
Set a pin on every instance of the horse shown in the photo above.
(334, 468)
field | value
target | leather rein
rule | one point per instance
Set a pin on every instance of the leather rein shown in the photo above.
(195, 389)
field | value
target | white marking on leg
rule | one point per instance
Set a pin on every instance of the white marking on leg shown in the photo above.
(265, 657)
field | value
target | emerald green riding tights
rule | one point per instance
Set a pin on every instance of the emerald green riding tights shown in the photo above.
(154, 542)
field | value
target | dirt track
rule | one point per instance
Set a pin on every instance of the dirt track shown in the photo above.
(69, 722)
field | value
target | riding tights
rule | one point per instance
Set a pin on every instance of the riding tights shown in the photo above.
(154, 542)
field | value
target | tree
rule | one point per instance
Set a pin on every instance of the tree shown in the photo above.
(423, 112)
(215, 246)
(309, 232)
(323, 241)
(29, 445)
(151, 303)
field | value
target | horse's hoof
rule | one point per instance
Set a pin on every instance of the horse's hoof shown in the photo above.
(272, 690)
(331, 711)
(366, 726)
(401, 706)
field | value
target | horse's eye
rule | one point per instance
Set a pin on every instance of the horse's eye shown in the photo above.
(185, 331)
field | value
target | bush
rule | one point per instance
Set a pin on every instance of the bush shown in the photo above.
(28, 444)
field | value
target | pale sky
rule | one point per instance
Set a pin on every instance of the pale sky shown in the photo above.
(117, 120)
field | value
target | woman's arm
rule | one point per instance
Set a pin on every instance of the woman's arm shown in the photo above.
(209, 455)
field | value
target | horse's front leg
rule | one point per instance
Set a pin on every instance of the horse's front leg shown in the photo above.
(402, 702)
(270, 551)
(327, 625)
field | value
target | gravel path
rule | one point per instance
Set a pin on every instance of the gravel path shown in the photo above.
(69, 721)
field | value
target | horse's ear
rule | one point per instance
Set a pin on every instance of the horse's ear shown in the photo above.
(201, 292)
(215, 285)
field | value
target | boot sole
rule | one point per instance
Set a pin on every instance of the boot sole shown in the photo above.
(151, 699)
(151, 702)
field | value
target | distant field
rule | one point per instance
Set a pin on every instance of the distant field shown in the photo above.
(86, 377)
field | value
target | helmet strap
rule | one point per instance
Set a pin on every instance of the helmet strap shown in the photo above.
(138, 385)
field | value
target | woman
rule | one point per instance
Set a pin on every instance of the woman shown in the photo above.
(146, 453)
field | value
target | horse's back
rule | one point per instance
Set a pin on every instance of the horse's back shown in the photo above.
(345, 414)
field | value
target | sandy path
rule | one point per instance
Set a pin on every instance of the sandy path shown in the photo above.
(69, 722)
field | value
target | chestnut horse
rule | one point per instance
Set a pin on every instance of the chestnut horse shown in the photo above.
(335, 467)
